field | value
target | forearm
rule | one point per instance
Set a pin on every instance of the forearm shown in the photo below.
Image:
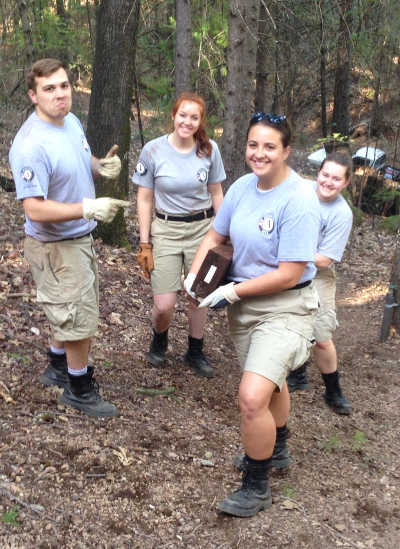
(211, 240)
(50, 211)
(95, 166)
(145, 213)
(217, 195)
(322, 261)
(286, 276)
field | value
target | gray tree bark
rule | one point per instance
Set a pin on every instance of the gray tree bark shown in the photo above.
(341, 100)
(261, 60)
(240, 88)
(110, 100)
(183, 46)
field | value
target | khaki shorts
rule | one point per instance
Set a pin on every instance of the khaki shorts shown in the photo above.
(66, 278)
(325, 322)
(174, 246)
(273, 335)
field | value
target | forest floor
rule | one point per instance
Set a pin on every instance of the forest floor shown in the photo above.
(152, 477)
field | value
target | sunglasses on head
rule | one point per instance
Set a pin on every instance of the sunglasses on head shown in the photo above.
(272, 118)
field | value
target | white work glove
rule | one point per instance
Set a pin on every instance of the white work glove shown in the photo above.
(188, 283)
(223, 295)
(103, 209)
(110, 166)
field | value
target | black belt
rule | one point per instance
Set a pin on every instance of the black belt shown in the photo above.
(70, 238)
(187, 218)
(301, 285)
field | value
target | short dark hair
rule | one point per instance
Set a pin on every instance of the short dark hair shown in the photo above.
(43, 67)
(341, 158)
(277, 122)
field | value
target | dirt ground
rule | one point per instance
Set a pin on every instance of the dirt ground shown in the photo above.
(152, 477)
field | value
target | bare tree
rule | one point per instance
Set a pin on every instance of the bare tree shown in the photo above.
(240, 90)
(110, 100)
(341, 100)
(183, 48)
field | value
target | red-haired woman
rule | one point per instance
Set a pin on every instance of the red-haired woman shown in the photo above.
(181, 173)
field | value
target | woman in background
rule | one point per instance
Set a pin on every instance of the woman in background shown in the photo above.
(180, 174)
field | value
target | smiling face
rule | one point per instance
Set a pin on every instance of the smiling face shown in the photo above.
(331, 181)
(187, 120)
(52, 97)
(266, 156)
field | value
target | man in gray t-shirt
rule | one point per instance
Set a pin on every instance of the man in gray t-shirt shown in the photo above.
(336, 222)
(53, 171)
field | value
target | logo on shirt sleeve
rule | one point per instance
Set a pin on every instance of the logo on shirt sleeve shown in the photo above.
(141, 168)
(27, 174)
(266, 224)
(85, 143)
(202, 175)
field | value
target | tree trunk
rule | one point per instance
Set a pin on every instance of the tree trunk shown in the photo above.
(261, 60)
(110, 100)
(27, 31)
(395, 282)
(183, 48)
(322, 71)
(341, 101)
(242, 51)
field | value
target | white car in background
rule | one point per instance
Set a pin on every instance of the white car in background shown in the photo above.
(366, 156)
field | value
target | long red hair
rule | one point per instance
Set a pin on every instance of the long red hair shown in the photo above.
(203, 144)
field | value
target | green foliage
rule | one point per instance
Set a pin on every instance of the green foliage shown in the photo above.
(289, 491)
(18, 357)
(11, 516)
(333, 443)
(391, 224)
(333, 140)
(359, 440)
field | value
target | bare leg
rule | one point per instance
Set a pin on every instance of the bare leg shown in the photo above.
(325, 357)
(280, 406)
(258, 427)
(77, 353)
(163, 310)
(197, 320)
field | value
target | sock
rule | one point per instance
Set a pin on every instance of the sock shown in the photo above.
(81, 372)
(282, 432)
(260, 464)
(331, 381)
(57, 350)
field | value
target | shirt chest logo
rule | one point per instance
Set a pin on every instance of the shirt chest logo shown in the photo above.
(266, 224)
(202, 175)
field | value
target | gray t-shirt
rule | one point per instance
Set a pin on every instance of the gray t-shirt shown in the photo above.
(179, 179)
(336, 222)
(267, 227)
(53, 162)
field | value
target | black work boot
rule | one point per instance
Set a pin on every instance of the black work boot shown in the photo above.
(158, 348)
(83, 394)
(281, 456)
(333, 396)
(254, 495)
(297, 379)
(195, 358)
(56, 372)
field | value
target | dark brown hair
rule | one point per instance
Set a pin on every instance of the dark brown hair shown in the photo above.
(342, 159)
(203, 143)
(43, 67)
(277, 122)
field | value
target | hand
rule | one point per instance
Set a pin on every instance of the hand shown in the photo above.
(103, 209)
(110, 166)
(188, 283)
(222, 294)
(145, 258)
